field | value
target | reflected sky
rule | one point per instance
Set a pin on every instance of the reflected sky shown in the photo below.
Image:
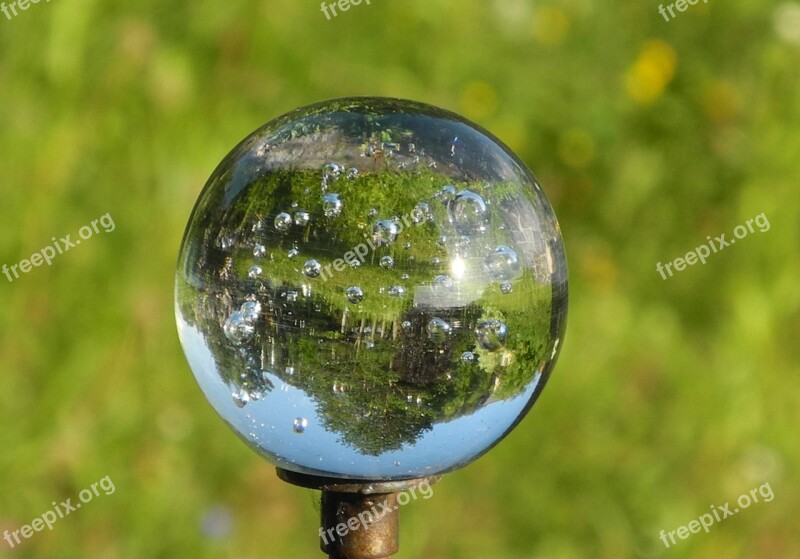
(267, 427)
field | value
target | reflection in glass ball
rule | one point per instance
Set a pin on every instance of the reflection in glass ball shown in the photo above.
(371, 288)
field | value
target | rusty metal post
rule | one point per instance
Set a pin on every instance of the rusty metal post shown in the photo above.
(360, 519)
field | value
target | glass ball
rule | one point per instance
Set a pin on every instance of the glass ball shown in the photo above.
(371, 289)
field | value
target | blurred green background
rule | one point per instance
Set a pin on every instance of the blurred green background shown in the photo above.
(647, 135)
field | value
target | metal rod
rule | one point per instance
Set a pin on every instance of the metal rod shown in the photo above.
(359, 526)
(360, 519)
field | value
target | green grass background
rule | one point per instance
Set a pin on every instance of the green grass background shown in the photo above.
(647, 135)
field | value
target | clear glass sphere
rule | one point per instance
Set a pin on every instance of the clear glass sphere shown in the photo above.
(371, 288)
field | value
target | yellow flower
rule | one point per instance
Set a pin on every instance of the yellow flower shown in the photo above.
(652, 71)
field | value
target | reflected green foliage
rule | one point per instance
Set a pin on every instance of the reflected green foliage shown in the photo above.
(377, 376)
